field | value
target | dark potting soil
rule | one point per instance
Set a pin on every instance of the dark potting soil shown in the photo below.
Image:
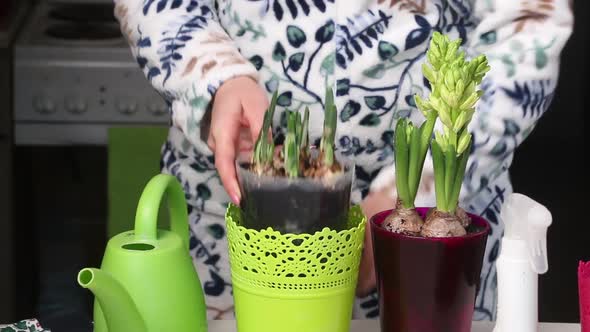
(296, 210)
(472, 228)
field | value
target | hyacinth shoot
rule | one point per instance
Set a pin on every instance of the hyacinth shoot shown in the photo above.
(295, 158)
(454, 82)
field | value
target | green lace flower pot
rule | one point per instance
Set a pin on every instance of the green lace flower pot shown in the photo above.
(294, 282)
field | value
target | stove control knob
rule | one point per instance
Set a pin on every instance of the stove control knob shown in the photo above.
(157, 107)
(76, 105)
(44, 105)
(126, 106)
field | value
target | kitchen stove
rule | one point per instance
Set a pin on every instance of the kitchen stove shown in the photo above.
(75, 77)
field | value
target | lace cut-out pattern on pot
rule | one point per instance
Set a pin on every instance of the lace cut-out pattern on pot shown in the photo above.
(270, 259)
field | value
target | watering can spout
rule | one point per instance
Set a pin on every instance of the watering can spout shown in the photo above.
(119, 310)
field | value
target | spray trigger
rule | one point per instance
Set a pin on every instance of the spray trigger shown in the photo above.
(528, 220)
(539, 219)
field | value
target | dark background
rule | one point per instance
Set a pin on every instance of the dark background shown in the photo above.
(549, 168)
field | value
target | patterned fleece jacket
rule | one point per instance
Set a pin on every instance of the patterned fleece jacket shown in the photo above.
(371, 52)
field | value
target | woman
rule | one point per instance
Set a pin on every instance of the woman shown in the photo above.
(217, 62)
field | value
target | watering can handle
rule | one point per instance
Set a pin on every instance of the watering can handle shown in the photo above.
(146, 217)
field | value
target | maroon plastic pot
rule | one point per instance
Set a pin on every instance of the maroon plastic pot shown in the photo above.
(428, 284)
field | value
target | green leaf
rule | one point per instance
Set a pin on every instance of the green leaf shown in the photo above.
(370, 120)
(438, 163)
(410, 100)
(402, 113)
(415, 169)
(342, 87)
(285, 99)
(458, 181)
(426, 130)
(425, 133)
(21, 325)
(199, 102)
(540, 58)
(377, 71)
(283, 120)
(305, 131)
(499, 149)
(387, 50)
(329, 101)
(450, 170)
(295, 36)
(327, 67)
(257, 61)
(325, 33)
(402, 163)
(329, 134)
(296, 60)
(349, 110)
(264, 147)
(511, 128)
(329, 129)
(375, 102)
(272, 84)
(291, 149)
(488, 37)
(216, 230)
(203, 191)
(278, 53)
(510, 67)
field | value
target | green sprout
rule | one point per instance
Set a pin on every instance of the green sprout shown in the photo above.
(304, 134)
(453, 98)
(291, 146)
(329, 134)
(296, 150)
(411, 146)
(264, 146)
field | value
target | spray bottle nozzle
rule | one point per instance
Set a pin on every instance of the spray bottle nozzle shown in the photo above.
(527, 220)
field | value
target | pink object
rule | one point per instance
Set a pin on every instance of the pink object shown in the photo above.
(584, 294)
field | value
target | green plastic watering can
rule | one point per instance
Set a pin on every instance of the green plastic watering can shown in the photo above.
(147, 281)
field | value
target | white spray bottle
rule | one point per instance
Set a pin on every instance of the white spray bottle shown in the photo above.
(523, 257)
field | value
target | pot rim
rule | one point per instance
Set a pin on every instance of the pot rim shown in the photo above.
(422, 211)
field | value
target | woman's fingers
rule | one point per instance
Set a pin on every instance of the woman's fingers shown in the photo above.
(375, 202)
(245, 145)
(255, 104)
(225, 131)
(236, 121)
(225, 156)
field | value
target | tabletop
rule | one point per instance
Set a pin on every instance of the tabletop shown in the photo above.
(373, 326)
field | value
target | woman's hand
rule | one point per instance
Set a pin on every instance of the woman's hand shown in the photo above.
(374, 203)
(236, 119)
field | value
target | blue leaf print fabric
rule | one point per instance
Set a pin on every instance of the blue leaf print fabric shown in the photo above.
(370, 52)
